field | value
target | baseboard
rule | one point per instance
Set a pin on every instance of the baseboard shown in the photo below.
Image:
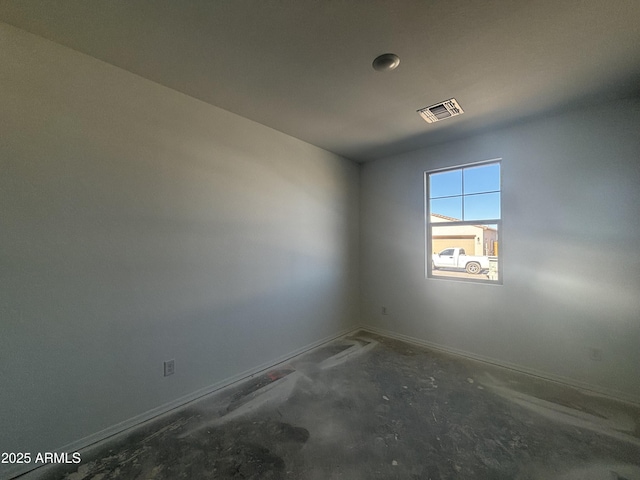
(587, 387)
(109, 433)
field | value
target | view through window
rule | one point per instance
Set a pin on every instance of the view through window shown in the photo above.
(463, 221)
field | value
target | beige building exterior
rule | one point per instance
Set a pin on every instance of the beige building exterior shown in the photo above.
(475, 239)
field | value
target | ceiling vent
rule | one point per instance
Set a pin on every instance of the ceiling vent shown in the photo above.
(440, 111)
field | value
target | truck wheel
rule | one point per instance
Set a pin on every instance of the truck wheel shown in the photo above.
(473, 268)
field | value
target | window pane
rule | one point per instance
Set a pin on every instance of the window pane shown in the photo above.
(445, 184)
(465, 251)
(485, 178)
(482, 207)
(451, 208)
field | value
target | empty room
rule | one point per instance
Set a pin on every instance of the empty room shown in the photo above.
(319, 239)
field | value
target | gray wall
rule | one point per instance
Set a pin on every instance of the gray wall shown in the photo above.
(570, 248)
(138, 225)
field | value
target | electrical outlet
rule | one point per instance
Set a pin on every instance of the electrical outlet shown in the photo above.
(384, 310)
(595, 354)
(169, 367)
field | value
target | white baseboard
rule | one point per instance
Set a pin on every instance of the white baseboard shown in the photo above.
(587, 387)
(94, 440)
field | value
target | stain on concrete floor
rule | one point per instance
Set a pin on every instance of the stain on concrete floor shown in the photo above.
(368, 407)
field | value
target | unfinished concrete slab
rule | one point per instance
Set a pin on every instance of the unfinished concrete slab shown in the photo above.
(369, 407)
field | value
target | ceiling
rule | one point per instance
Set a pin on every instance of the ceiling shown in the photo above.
(304, 66)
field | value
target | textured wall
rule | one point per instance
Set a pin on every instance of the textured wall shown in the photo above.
(569, 247)
(140, 225)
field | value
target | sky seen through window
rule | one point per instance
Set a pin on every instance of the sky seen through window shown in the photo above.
(470, 193)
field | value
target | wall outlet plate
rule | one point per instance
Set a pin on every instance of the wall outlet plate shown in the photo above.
(169, 367)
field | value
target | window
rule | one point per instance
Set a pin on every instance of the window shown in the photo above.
(463, 219)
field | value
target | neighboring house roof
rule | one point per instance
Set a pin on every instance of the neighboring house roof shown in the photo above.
(451, 219)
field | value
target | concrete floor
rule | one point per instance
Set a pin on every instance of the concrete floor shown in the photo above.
(368, 407)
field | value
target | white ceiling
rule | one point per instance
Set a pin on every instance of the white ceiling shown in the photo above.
(304, 66)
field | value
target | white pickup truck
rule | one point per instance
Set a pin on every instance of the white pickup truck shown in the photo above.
(457, 258)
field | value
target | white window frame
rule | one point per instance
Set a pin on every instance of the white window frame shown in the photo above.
(428, 225)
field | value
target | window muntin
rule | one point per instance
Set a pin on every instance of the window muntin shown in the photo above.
(463, 219)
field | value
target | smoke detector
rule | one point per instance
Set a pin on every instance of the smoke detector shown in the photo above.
(440, 111)
(386, 62)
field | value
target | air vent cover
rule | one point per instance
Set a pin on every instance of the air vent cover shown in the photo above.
(440, 111)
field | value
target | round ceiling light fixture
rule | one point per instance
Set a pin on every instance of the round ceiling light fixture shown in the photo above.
(386, 62)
